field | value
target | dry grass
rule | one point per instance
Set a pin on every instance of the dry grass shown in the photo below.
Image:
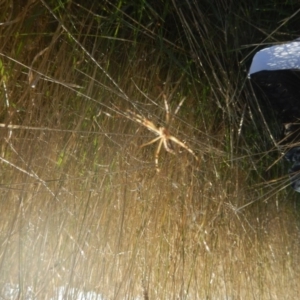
(82, 205)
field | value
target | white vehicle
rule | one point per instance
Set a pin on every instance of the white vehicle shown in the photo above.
(275, 74)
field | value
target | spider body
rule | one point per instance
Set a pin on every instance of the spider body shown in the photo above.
(164, 136)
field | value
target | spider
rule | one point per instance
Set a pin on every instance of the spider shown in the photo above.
(163, 134)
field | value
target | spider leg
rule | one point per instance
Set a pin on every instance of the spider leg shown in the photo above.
(167, 146)
(181, 144)
(167, 110)
(143, 121)
(179, 105)
(157, 155)
(168, 119)
(151, 142)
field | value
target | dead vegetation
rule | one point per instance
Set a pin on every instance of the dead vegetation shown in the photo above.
(82, 206)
